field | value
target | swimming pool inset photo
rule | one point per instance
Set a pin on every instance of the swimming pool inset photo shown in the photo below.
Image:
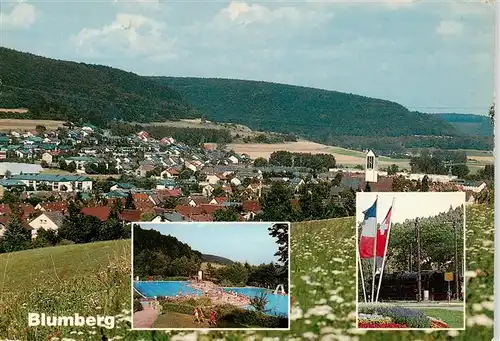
(211, 275)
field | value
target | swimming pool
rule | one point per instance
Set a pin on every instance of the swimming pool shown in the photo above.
(151, 289)
(276, 305)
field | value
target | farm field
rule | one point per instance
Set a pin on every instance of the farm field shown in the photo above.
(95, 277)
(25, 125)
(342, 155)
(478, 159)
(234, 128)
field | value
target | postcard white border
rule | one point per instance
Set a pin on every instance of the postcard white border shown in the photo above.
(209, 223)
(464, 262)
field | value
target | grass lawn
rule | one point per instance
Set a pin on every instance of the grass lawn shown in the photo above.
(323, 271)
(454, 318)
(172, 319)
(87, 279)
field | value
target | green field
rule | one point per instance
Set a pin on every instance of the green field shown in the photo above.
(454, 319)
(87, 279)
(323, 285)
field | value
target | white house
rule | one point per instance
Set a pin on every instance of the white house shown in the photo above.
(432, 177)
(233, 159)
(371, 173)
(47, 221)
(47, 157)
(190, 166)
(235, 181)
(207, 190)
(476, 188)
(57, 183)
(213, 179)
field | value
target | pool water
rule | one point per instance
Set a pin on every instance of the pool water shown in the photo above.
(276, 305)
(151, 289)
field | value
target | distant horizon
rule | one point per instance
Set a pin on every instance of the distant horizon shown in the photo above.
(485, 114)
(238, 242)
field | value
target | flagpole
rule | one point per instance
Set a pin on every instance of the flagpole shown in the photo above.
(361, 273)
(385, 250)
(375, 250)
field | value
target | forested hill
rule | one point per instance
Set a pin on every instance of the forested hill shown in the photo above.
(312, 113)
(64, 90)
(156, 254)
(217, 259)
(474, 125)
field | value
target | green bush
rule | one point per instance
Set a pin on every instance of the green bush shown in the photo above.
(230, 313)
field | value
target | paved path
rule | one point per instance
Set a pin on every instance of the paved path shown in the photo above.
(145, 318)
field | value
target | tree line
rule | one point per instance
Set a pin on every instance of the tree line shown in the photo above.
(76, 228)
(314, 161)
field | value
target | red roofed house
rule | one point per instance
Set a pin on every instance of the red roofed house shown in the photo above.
(169, 173)
(250, 209)
(102, 213)
(210, 209)
(143, 203)
(188, 211)
(56, 206)
(218, 201)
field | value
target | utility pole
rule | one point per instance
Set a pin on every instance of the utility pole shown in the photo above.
(419, 277)
(457, 274)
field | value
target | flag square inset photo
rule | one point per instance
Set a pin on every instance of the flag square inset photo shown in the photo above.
(410, 260)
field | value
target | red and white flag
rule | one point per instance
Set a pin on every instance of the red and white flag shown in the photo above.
(383, 233)
(371, 230)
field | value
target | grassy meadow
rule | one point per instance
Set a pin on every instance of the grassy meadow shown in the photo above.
(96, 279)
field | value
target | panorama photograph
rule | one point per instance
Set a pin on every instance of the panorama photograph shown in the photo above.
(411, 256)
(211, 275)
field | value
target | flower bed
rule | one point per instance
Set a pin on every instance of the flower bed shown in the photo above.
(396, 317)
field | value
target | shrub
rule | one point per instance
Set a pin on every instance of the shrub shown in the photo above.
(259, 302)
(137, 305)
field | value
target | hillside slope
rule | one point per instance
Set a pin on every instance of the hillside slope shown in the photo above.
(473, 125)
(217, 259)
(64, 280)
(312, 113)
(63, 90)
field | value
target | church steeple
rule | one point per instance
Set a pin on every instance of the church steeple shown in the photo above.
(371, 167)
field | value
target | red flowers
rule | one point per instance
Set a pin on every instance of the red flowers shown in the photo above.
(438, 324)
(381, 325)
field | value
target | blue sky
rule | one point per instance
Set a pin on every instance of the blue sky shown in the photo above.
(241, 242)
(429, 204)
(426, 55)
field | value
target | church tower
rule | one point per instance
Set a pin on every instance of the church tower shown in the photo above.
(371, 167)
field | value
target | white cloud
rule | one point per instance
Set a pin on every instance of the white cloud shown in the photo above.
(243, 13)
(449, 28)
(22, 16)
(131, 34)
(388, 4)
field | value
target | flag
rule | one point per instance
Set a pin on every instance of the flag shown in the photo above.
(383, 233)
(368, 232)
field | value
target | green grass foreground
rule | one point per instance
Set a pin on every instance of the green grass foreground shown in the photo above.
(323, 266)
(453, 318)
